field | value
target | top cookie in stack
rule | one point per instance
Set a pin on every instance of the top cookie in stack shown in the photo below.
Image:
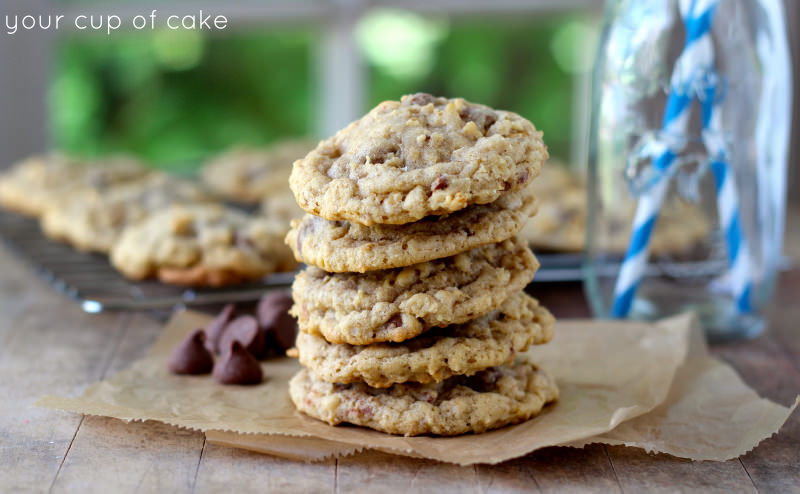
(418, 157)
(412, 312)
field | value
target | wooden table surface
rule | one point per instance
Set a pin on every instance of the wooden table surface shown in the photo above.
(49, 346)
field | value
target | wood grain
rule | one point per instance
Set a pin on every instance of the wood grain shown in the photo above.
(638, 471)
(553, 470)
(135, 457)
(375, 472)
(233, 470)
(47, 345)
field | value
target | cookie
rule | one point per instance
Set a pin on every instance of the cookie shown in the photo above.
(280, 206)
(559, 223)
(681, 226)
(93, 221)
(247, 175)
(490, 399)
(418, 157)
(464, 349)
(32, 185)
(401, 303)
(205, 245)
(341, 246)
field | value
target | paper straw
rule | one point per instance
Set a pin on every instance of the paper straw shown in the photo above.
(697, 16)
(739, 259)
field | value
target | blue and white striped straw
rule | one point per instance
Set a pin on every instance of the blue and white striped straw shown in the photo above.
(697, 16)
(739, 259)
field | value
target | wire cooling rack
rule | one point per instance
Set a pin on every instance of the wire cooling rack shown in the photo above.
(91, 281)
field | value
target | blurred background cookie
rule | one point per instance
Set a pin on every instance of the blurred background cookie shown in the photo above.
(248, 174)
(560, 222)
(31, 185)
(93, 220)
(202, 245)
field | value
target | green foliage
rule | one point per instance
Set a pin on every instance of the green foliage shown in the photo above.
(175, 97)
(503, 63)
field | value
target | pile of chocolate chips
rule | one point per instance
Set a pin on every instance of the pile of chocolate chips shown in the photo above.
(239, 341)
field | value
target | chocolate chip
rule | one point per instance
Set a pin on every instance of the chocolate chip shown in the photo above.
(395, 322)
(377, 158)
(306, 228)
(421, 99)
(237, 366)
(483, 118)
(191, 355)
(98, 178)
(245, 330)
(441, 182)
(217, 326)
(486, 381)
(380, 153)
(243, 241)
(523, 177)
(273, 316)
(365, 410)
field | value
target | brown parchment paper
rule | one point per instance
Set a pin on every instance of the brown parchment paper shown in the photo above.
(709, 414)
(608, 372)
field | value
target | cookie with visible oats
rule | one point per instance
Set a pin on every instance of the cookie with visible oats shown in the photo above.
(341, 246)
(418, 157)
(33, 184)
(401, 303)
(438, 354)
(248, 175)
(490, 399)
(201, 245)
(281, 206)
(560, 222)
(93, 220)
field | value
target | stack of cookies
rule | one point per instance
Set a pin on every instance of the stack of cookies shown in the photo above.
(412, 311)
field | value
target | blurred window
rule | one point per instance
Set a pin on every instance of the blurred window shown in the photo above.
(175, 97)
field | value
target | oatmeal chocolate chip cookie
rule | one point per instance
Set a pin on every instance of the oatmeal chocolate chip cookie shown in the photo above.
(401, 303)
(490, 399)
(559, 223)
(681, 226)
(92, 220)
(201, 245)
(281, 206)
(247, 175)
(418, 157)
(341, 246)
(30, 186)
(438, 354)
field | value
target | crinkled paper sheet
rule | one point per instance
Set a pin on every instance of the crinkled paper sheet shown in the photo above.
(616, 381)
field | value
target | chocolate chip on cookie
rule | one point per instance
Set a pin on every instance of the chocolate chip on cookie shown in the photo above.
(417, 157)
(349, 247)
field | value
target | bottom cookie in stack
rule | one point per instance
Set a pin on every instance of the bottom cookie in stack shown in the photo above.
(492, 398)
(446, 381)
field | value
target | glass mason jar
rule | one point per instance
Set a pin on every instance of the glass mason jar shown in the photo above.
(687, 161)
